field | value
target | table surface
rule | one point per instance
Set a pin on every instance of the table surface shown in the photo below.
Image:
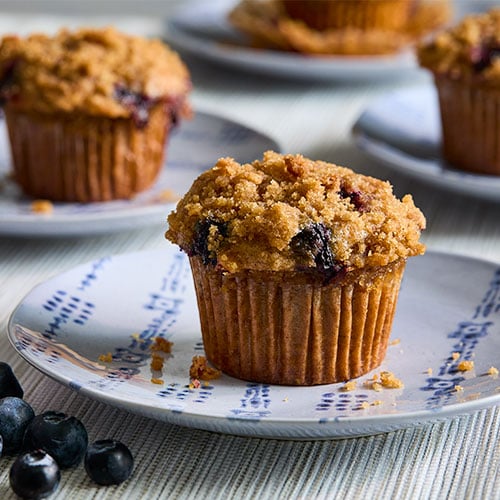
(455, 458)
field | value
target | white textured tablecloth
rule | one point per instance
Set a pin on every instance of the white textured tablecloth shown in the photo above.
(457, 458)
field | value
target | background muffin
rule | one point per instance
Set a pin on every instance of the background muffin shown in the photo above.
(89, 111)
(297, 266)
(465, 63)
(347, 27)
(386, 15)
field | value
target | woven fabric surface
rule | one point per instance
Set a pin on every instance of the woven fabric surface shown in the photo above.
(456, 458)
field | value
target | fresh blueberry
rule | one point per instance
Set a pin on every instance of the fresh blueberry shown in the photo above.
(15, 415)
(9, 385)
(34, 475)
(62, 437)
(108, 462)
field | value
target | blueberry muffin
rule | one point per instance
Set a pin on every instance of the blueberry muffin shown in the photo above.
(297, 266)
(343, 27)
(465, 63)
(89, 112)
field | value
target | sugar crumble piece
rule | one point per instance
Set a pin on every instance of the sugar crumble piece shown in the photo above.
(365, 405)
(106, 358)
(374, 385)
(377, 402)
(42, 207)
(492, 371)
(465, 366)
(199, 369)
(455, 355)
(156, 362)
(395, 342)
(157, 381)
(390, 381)
(161, 344)
(285, 399)
(349, 386)
(428, 371)
(458, 388)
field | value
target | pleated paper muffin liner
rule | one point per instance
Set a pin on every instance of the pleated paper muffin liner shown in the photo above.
(86, 159)
(284, 328)
(381, 15)
(470, 117)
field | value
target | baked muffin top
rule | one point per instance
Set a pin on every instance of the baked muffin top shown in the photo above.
(286, 212)
(100, 72)
(469, 51)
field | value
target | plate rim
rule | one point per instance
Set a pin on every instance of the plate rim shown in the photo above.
(317, 67)
(272, 427)
(433, 171)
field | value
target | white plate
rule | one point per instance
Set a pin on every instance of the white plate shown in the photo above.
(203, 31)
(447, 304)
(403, 130)
(193, 147)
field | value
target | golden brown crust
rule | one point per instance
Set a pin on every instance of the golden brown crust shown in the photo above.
(468, 51)
(78, 72)
(254, 212)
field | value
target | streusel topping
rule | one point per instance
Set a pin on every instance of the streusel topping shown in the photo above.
(469, 51)
(99, 72)
(286, 212)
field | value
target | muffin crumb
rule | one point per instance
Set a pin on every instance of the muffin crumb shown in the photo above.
(161, 344)
(157, 381)
(42, 207)
(458, 388)
(199, 369)
(465, 366)
(492, 371)
(349, 386)
(106, 358)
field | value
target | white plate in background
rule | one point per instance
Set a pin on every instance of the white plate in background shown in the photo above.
(203, 31)
(403, 131)
(447, 304)
(193, 147)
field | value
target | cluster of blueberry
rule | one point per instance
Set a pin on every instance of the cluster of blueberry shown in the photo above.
(49, 442)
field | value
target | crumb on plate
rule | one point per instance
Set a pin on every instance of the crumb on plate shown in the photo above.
(42, 206)
(492, 371)
(106, 358)
(349, 386)
(395, 342)
(158, 381)
(458, 388)
(156, 362)
(465, 366)
(161, 344)
(455, 355)
(199, 369)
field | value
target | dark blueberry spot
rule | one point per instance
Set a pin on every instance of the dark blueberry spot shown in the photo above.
(313, 241)
(483, 56)
(355, 197)
(138, 104)
(63, 437)
(201, 235)
(7, 81)
(34, 475)
(108, 462)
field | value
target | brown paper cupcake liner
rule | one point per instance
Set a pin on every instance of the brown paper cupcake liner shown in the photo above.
(470, 118)
(274, 328)
(86, 159)
(382, 15)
